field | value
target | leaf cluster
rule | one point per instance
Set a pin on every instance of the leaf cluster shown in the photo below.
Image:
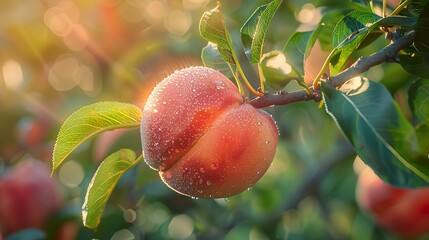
(391, 142)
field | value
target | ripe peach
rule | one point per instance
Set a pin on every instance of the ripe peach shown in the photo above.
(28, 196)
(404, 212)
(203, 138)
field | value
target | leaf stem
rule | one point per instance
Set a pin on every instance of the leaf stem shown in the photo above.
(322, 70)
(237, 80)
(241, 72)
(371, 5)
(261, 78)
(362, 65)
(401, 7)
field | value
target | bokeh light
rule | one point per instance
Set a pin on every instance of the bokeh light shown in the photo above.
(71, 174)
(58, 56)
(180, 227)
(123, 234)
(12, 75)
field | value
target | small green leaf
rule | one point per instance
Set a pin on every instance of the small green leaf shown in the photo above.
(297, 49)
(89, 121)
(421, 40)
(212, 28)
(381, 135)
(347, 36)
(102, 184)
(326, 27)
(254, 30)
(354, 22)
(211, 58)
(414, 62)
(422, 131)
(276, 70)
(418, 97)
(351, 31)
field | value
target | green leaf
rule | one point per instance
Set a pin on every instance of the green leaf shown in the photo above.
(326, 27)
(381, 135)
(89, 121)
(212, 29)
(418, 97)
(414, 62)
(354, 22)
(102, 184)
(276, 70)
(211, 58)
(254, 30)
(422, 131)
(347, 36)
(353, 29)
(297, 49)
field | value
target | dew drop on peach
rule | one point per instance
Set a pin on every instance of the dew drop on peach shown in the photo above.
(201, 136)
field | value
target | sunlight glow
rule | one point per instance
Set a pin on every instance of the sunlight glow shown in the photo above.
(309, 14)
(12, 75)
(154, 11)
(194, 4)
(71, 174)
(61, 18)
(178, 22)
(279, 62)
(77, 39)
(62, 74)
(180, 227)
(123, 234)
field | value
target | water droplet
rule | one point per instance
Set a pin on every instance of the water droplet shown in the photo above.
(226, 199)
(219, 84)
(250, 188)
(193, 90)
(155, 110)
(208, 183)
(260, 123)
(257, 172)
(267, 142)
(213, 166)
(162, 167)
(168, 175)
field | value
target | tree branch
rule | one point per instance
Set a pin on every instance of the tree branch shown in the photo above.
(361, 65)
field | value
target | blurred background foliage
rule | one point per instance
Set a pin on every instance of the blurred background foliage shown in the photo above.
(57, 56)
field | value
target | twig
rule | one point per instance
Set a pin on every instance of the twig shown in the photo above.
(282, 98)
(361, 65)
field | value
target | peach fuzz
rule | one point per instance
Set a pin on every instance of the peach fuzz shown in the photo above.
(402, 211)
(203, 138)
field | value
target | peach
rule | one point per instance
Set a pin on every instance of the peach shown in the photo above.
(404, 212)
(203, 138)
(28, 196)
